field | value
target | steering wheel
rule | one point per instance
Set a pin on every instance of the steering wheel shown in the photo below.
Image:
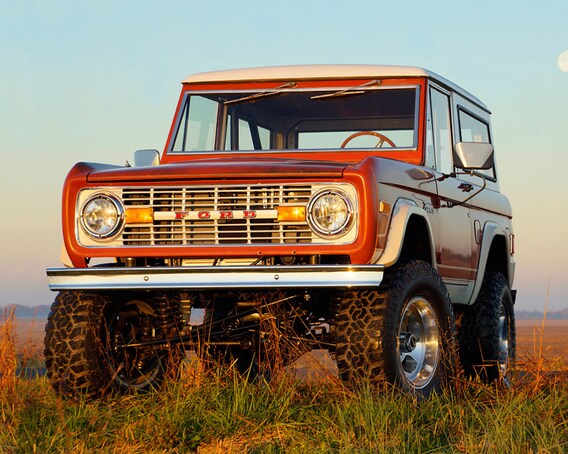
(382, 138)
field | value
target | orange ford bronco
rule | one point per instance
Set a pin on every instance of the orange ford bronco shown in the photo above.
(349, 208)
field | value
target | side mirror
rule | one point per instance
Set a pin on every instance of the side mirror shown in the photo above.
(474, 155)
(145, 158)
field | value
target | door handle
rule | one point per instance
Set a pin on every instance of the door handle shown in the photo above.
(466, 187)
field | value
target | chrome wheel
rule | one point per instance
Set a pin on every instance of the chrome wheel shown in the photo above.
(418, 342)
(503, 352)
(503, 335)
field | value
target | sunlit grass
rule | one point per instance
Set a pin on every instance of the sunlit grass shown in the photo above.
(222, 412)
(225, 413)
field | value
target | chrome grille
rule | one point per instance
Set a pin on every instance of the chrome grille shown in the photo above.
(216, 231)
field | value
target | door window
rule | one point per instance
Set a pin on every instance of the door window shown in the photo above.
(439, 135)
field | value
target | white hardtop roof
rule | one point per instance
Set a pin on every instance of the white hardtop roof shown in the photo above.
(318, 72)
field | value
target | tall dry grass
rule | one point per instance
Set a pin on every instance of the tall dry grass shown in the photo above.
(219, 411)
(8, 359)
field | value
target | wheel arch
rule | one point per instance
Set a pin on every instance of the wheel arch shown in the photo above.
(494, 256)
(409, 235)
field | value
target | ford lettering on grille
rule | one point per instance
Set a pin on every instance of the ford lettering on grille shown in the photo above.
(227, 214)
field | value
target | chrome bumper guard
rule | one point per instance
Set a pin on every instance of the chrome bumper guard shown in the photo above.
(190, 278)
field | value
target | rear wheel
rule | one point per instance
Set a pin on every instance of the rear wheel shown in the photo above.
(402, 332)
(486, 331)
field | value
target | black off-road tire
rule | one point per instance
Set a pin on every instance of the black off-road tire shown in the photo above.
(380, 331)
(80, 355)
(486, 331)
(72, 345)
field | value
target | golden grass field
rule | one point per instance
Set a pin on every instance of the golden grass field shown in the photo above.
(224, 412)
(533, 341)
(550, 342)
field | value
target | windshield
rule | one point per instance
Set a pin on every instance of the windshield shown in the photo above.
(292, 119)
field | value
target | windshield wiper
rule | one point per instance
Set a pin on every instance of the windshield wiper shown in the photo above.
(348, 91)
(262, 94)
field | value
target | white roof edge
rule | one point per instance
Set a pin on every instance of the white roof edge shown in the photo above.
(307, 72)
(313, 72)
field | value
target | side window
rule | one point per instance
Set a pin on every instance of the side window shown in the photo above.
(196, 130)
(472, 129)
(439, 133)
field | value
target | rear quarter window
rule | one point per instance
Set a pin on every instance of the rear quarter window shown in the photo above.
(474, 129)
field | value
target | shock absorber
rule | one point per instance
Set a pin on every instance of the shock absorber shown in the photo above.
(185, 303)
(169, 314)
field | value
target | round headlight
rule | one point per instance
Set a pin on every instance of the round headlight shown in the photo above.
(102, 216)
(330, 212)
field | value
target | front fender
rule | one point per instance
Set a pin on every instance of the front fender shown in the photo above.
(402, 211)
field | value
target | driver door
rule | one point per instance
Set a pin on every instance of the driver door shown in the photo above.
(454, 233)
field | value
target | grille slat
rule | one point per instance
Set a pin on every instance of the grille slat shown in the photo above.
(216, 231)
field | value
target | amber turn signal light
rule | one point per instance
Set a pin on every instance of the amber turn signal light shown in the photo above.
(139, 215)
(291, 213)
(384, 207)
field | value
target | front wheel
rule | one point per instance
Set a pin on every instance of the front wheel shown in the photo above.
(93, 344)
(402, 332)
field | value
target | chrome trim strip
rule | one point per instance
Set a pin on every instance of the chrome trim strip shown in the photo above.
(107, 278)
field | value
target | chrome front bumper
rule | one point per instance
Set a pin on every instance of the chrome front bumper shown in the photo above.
(190, 278)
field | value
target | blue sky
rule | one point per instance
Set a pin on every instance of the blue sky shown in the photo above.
(94, 81)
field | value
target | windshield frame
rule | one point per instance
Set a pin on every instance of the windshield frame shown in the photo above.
(407, 153)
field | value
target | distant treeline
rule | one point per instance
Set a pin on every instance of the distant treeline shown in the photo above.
(536, 315)
(43, 311)
(25, 311)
